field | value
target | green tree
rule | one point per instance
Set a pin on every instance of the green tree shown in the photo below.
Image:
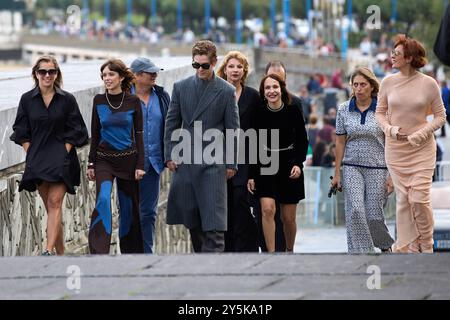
(417, 17)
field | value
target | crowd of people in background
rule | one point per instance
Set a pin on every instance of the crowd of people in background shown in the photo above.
(133, 122)
(122, 31)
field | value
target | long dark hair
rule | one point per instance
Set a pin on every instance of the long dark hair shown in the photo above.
(118, 66)
(285, 95)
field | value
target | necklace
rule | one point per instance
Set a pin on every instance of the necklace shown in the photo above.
(115, 108)
(275, 110)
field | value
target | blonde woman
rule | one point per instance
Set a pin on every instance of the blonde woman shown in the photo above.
(242, 234)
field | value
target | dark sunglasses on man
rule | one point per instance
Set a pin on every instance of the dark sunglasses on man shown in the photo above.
(204, 66)
(51, 72)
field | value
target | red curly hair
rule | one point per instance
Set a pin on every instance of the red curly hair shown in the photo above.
(412, 48)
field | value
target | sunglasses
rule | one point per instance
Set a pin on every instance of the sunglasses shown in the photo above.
(396, 53)
(51, 72)
(204, 66)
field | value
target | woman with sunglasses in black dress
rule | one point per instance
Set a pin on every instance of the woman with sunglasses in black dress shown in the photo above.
(49, 127)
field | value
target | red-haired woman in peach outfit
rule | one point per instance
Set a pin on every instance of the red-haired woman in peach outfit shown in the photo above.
(405, 100)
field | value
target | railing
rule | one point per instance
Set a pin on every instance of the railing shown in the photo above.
(442, 171)
(23, 219)
(317, 210)
(300, 61)
(92, 47)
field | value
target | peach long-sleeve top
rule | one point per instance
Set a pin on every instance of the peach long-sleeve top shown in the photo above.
(404, 102)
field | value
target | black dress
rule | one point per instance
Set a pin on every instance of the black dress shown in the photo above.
(242, 234)
(48, 130)
(292, 149)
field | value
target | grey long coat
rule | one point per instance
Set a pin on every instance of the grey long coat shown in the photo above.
(198, 193)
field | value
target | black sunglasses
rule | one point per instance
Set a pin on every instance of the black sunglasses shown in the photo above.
(204, 66)
(51, 72)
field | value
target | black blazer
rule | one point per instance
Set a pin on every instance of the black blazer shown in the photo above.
(442, 44)
(248, 102)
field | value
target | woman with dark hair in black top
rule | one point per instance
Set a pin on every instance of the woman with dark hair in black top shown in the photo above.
(284, 120)
(49, 126)
(117, 152)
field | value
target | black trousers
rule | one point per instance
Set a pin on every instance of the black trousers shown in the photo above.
(207, 241)
(242, 234)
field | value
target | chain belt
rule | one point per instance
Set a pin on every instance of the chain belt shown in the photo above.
(278, 150)
(116, 154)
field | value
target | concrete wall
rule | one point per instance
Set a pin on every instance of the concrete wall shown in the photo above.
(23, 219)
(299, 65)
(89, 48)
(22, 215)
(83, 80)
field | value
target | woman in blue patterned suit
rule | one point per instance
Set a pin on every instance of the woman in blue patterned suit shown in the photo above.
(360, 151)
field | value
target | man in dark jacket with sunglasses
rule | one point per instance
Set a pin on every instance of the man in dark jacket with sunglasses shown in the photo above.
(202, 105)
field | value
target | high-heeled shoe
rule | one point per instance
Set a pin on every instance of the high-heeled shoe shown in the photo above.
(47, 253)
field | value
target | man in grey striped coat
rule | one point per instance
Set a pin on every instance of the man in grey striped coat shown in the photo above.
(203, 106)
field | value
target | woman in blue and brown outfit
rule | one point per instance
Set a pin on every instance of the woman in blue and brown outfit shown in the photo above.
(49, 126)
(117, 152)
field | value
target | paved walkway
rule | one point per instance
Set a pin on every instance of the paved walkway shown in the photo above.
(227, 277)
(326, 240)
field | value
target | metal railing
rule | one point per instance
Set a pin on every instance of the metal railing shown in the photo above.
(317, 210)
(442, 171)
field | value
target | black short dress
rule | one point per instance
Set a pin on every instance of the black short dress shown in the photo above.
(48, 130)
(288, 126)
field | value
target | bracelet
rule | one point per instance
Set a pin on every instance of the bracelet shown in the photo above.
(90, 165)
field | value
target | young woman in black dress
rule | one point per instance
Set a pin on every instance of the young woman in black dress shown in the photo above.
(278, 116)
(49, 126)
